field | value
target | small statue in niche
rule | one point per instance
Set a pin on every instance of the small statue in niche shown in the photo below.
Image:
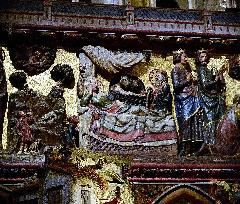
(187, 104)
(63, 75)
(71, 133)
(228, 130)
(211, 93)
(24, 130)
(159, 96)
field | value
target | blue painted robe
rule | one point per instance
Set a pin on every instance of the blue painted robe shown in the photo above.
(212, 100)
(187, 105)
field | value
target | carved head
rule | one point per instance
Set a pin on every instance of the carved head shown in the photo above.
(63, 73)
(157, 77)
(124, 81)
(202, 57)
(179, 56)
(18, 79)
(97, 86)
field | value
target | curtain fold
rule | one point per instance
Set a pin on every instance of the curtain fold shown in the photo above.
(112, 62)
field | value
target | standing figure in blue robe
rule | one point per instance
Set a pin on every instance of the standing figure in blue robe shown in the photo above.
(211, 94)
(187, 106)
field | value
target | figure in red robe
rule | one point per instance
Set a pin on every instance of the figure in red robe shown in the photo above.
(24, 130)
(228, 131)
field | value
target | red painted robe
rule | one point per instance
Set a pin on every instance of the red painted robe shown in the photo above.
(24, 129)
(228, 134)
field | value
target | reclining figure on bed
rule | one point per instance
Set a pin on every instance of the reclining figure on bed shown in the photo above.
(129, 112)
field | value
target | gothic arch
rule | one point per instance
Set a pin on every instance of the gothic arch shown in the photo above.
(184, 194)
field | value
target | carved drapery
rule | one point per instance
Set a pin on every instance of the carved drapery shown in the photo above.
(110, 62)
(107, 63)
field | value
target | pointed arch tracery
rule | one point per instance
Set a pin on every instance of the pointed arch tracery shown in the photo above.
(184, 194)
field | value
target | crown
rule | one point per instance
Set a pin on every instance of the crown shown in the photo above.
(178, 52)
(202, 50)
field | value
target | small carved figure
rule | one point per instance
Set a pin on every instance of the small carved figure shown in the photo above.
(63, 75)
(98, 98)
(18, 101)
(48, 152)
(212, 98)
(71, 133)
(187, 105)
(24, 130)
(159, 96)
(235, 191)
(220, 194)
(36, 146)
